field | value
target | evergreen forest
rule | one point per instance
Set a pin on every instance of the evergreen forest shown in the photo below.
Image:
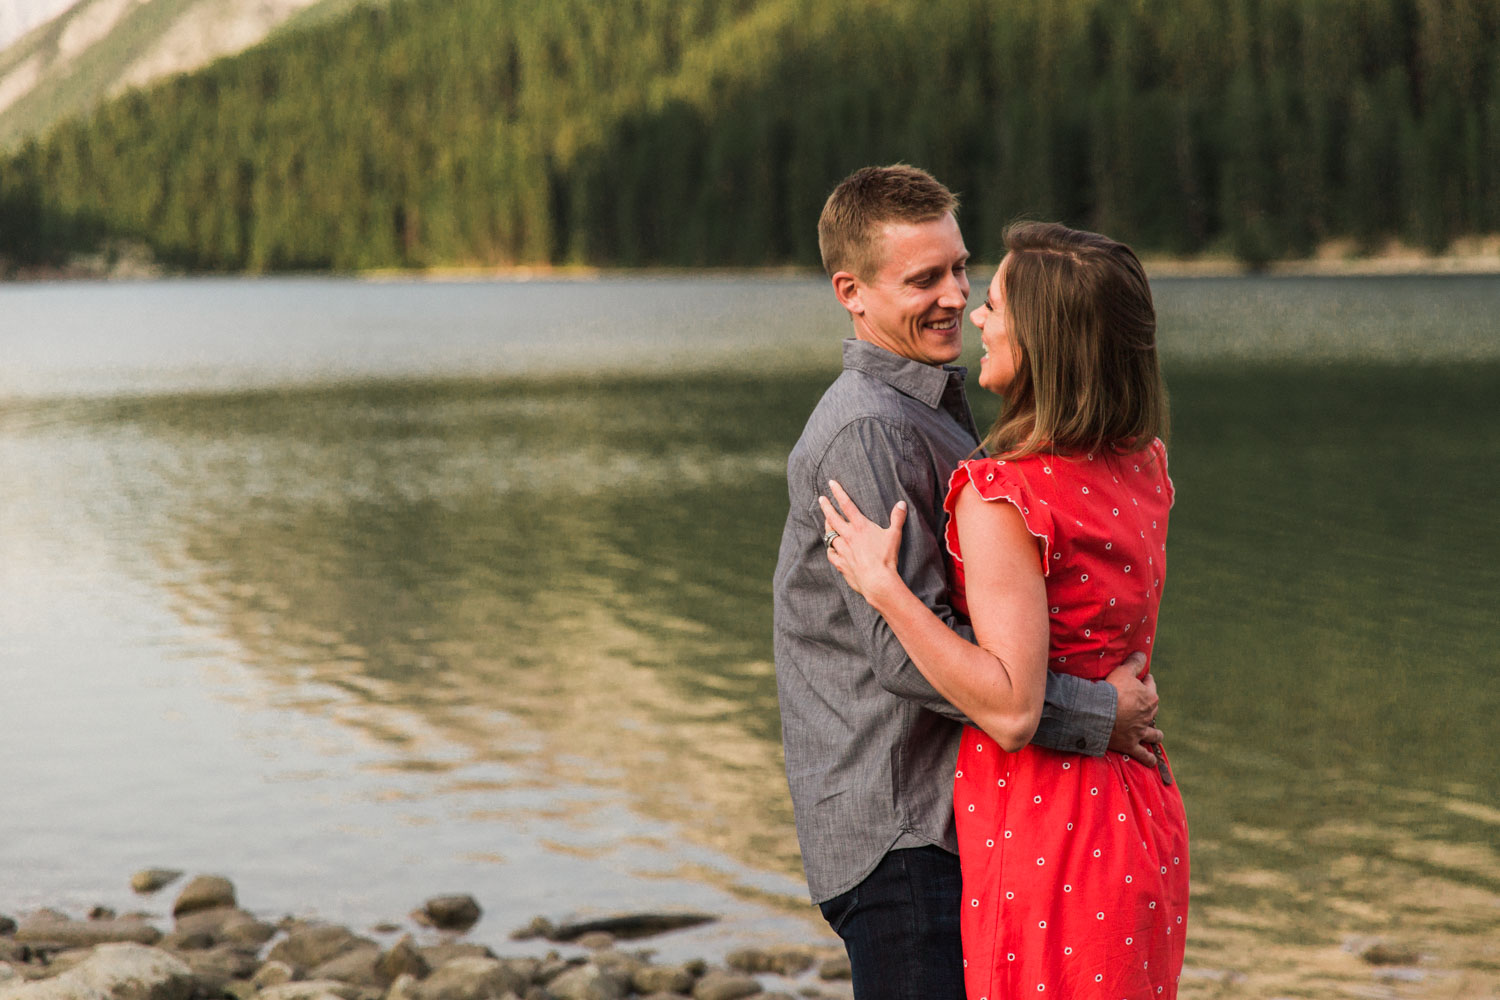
(433, 133)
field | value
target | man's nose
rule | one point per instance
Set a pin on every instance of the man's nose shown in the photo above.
(955, 292)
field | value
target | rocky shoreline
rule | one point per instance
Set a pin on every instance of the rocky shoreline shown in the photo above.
(216, 949)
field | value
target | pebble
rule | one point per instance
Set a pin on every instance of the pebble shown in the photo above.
(150, 880)
(216, 949)
(205, 892)
(449, 913)
(836, 967)
(723, 985)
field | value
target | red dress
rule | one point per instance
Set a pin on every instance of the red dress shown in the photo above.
(1075, 868)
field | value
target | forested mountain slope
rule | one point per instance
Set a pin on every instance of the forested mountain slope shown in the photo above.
(705, 132)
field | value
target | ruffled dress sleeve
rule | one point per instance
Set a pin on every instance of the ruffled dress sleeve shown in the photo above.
(1159, 462)
(1000, 480)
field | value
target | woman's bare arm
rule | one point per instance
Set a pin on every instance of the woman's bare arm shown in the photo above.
(1001, 682)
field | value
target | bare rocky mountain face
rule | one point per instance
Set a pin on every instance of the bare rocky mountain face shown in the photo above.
(96, 49)
(19, 16)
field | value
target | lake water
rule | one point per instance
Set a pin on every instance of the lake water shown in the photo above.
(359, 592)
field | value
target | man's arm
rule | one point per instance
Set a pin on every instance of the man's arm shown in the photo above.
(878, 464)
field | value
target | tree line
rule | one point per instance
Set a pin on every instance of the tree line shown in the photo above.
(708, 132)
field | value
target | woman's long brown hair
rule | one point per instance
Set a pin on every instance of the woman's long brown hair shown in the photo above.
(1081, 317)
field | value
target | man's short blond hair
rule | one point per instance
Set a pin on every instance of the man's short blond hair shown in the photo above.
(868, 200)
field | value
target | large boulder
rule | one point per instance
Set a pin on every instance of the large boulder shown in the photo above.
(588, 982)
(473, 979)
(308, 946)
(205, 892)
(116, 971)
(356, 966)
(311, 989)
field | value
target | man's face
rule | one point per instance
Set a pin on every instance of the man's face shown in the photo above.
(913, 302)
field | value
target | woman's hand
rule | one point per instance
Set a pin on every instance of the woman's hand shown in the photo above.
(862, 551)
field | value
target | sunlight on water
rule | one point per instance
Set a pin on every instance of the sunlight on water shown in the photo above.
(512, 630)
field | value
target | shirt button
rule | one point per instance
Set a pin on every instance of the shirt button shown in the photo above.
(1082, 744)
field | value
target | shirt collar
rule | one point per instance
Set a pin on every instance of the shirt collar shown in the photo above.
(926, 383)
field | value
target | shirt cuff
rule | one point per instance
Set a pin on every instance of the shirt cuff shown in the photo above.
(1084, 724)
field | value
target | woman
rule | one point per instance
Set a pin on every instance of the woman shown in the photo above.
(1075, 868)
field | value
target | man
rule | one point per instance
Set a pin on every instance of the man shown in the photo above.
(870, 746)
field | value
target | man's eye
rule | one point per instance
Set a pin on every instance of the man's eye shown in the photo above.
(960, 268)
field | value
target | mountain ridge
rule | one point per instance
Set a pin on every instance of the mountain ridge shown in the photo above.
(95, 50)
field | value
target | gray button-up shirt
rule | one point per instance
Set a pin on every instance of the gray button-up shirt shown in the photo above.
(870, 746)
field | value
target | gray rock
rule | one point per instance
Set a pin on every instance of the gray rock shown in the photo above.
(1384, 953)
(403, 959)
(405, 987)
(441, 954)
(587, 982)
(596, 940)
(836, 967)
(718, 984)
(273, 973)
(115, 971)
(310, 989)
(7, 973)
(61, 961)
(244, 929)
(528, 969)
(239, 989)
(791, 961)
(625, 927)
(663, 979)
(448, 913)
(217, 966)
(45, 928)
(540, 927)
(225, 923)
(204, 893)
(309, 946)
(552, 967)
(149, 880)
(356, 966)
(472, 979)
(187, 941)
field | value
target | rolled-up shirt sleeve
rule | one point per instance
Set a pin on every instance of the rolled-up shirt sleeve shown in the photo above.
(880, 462)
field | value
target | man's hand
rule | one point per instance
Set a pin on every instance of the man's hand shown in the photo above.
(1135, 711)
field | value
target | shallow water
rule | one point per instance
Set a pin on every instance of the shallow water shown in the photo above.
(360, 592)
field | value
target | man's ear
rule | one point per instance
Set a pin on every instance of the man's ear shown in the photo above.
(847, 289)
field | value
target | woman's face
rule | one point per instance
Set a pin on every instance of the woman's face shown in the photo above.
(997, 366)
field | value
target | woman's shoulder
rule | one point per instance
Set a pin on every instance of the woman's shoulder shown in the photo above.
(1021, 482)
(993, 475)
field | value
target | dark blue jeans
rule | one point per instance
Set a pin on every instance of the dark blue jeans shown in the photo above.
(900, 927)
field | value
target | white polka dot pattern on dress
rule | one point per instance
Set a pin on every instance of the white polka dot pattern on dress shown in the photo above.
(1094, 604)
